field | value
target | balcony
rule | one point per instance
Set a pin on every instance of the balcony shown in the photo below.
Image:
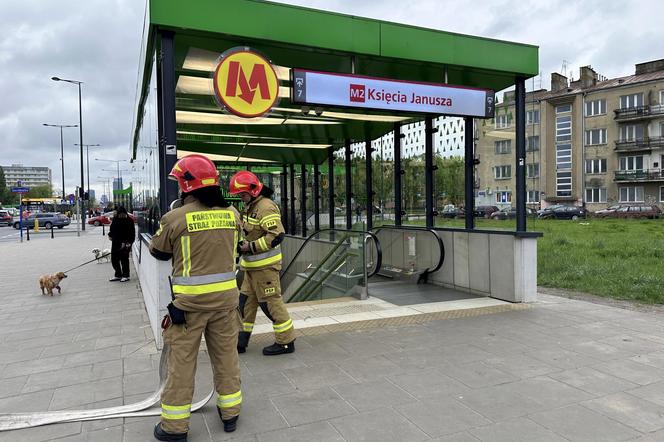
(638, 113)
(643, 175)
(647, 143)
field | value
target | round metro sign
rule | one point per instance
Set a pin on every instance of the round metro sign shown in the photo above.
(245, 83)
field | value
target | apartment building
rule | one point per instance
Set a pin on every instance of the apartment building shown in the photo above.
(28, 176)
(593, 142)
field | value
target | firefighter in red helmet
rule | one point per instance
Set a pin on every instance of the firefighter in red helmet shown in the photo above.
(200, 237)
(261, 262)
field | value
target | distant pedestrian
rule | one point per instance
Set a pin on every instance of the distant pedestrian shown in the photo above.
(122, 235)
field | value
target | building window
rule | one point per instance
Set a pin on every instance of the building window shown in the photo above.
(596, 166)
(533, 196)
(502, 172)
(630, 101)
(504, 196)
(661, 194)
(502, 121)
(532, 143)
(595, 194)
(563, 108)
(631, 132)
(563, 129)
(596, 107)
(563, 156)
(631, 163)
(532, 170)
(564, 183)
(631, 194)
(532, 117)
(595, 136)
(503, 146)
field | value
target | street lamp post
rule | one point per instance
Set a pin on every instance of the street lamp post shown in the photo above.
(62, 152)
(87, 160)
(80, 128)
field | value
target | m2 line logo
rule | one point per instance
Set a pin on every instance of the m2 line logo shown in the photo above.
(357, 93)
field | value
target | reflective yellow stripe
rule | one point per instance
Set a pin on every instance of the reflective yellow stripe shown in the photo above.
(186, 255)
(204, 288)
(248, 326)
(229, 400)
(280, 328)
(262, 243)
(261, 262)
(252, 221)
(175, 411)
(270, 218)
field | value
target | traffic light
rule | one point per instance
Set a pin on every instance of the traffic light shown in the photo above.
(86, 196)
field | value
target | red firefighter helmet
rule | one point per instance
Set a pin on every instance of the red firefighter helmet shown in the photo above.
(245, 181)
(194, 172)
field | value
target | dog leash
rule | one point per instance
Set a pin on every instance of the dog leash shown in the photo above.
(85, 263)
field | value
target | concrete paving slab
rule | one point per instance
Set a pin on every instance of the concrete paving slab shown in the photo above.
(309, 406)
(579, 424)
(381, 425)
(318, 431)
(442, 415)
(632, 411)
(516, 430)
(374, 394)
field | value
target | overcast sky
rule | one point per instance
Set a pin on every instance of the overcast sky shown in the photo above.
(98, 42)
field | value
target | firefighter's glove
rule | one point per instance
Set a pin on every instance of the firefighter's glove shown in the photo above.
(177, 316)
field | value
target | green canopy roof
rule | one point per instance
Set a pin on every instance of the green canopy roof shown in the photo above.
(311, 39)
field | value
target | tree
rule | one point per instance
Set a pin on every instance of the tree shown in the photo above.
(6, 196)
(44, 191)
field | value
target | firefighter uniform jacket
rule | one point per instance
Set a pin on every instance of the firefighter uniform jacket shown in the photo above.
(203, 244)
(264, 232)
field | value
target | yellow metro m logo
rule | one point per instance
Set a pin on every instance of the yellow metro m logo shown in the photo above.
(245, 83)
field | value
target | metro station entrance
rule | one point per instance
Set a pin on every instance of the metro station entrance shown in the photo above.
(309, 100)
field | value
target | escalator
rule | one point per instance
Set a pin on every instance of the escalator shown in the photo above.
(410, 255)
(331, 263)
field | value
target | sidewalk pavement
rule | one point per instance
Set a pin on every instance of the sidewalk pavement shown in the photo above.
(561, 370)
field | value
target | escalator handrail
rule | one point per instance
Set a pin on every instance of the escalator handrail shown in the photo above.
(379, 252)
(441, 246)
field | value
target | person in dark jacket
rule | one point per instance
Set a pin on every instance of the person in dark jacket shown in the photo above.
(122, 235)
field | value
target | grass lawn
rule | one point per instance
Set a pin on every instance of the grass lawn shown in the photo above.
(622, 259)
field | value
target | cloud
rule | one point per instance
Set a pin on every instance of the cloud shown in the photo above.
(98, 42)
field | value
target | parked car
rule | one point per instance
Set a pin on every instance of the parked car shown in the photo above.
(46, 220)
(6, 219)
(635, 211)
(564, 212)
(12, 211)
(604, 212)
(510, 213)
(549, 209)
(450, 212)
(106, 218)
(484, 211)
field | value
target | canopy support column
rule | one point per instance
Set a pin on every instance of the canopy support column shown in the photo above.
(369, 183)
(303, 198)
(428, 172)
(398, 174)
(520, 98)
(469, 175)
(284, 198)
(168, 136)
(316, 190)
(330, 180)
(349, 187)
(293, 219)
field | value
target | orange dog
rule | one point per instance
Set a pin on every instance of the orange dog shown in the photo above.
(50, 282)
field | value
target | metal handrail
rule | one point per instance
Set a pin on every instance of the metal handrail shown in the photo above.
(379, 252)
(339, 261)
(441, 246)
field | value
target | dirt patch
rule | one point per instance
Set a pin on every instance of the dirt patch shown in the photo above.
(595, 299)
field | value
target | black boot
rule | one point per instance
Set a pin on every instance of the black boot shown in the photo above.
(160, 434)
(243, 341)
(229, 424)
(279, 349)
